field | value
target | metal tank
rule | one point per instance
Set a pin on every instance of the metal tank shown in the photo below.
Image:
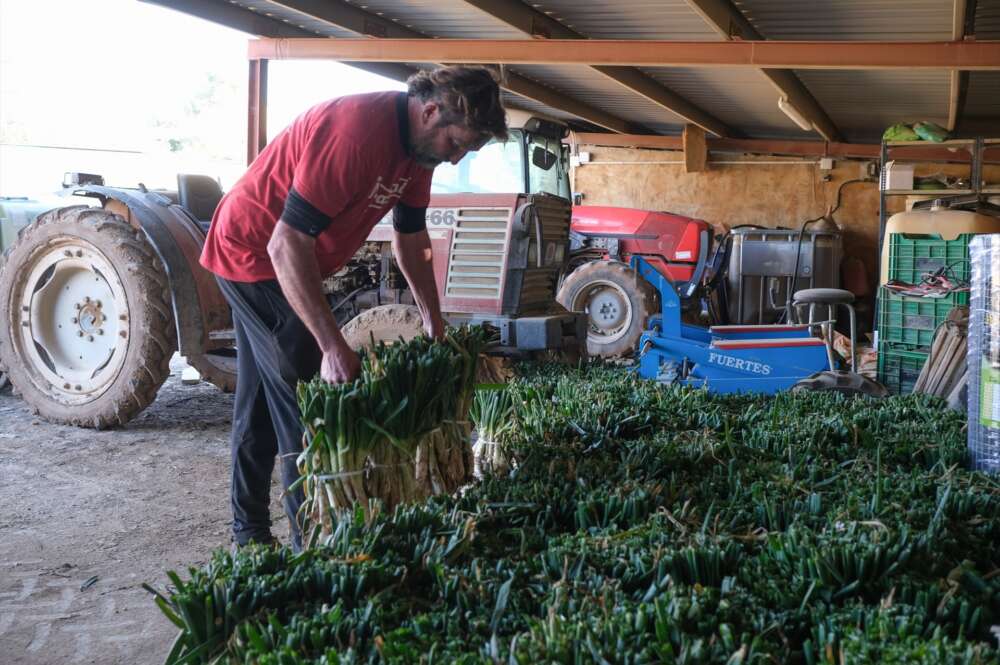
(761, 266)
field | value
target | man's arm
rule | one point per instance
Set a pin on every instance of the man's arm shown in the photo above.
(293, 255)
(413, 254)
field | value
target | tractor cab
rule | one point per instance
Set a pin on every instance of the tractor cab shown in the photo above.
(532, 160)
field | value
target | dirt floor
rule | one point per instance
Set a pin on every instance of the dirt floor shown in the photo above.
(86, 517)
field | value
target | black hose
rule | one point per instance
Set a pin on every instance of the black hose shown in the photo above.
(789, 315)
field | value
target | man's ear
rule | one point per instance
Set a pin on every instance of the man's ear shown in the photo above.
(428, 114)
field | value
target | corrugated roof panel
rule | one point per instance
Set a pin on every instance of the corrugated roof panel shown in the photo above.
(738, 97)
(863, 103)
(983, 97)
(589, 86)
(883, 20)
(441, 18)
(988, 19)
(629, 19)
(265, 8)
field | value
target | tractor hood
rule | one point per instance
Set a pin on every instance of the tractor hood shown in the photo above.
(675, 237)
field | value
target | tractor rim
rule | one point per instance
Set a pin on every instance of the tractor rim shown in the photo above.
(70, 317)
(608, 309)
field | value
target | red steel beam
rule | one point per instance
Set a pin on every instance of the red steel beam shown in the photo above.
(964, 55)
(256, 109)
(954, 152)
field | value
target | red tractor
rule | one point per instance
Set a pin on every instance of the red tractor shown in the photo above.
(603, 241)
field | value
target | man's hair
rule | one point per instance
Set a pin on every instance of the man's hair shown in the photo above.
(467, 95)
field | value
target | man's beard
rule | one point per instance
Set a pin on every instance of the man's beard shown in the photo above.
(422, 154)
(422, 150)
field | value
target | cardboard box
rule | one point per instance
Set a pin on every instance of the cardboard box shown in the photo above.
(897, 175)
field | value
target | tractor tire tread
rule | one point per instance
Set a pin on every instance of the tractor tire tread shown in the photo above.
(147, 361)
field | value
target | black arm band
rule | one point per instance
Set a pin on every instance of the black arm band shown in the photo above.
(407, 219)
(304, 216)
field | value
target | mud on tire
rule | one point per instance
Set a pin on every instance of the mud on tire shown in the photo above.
(385, 323)
(86, 323)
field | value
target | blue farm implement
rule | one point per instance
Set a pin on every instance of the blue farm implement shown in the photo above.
(735, 358)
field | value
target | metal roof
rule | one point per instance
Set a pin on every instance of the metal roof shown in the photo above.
(587, 84)
(738, 97)
(451, 19)
(988, 19)
(860, 103)
(983, 99)
(856, 20)
(631, 19)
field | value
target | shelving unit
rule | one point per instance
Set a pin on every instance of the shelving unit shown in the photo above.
(906, 325)
(975, 147)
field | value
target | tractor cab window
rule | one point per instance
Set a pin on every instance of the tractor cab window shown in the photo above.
(495, 168)
(547, 167)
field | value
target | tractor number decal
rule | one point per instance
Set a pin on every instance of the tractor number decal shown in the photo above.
(435, 217)
(442, 217)
(739, 363)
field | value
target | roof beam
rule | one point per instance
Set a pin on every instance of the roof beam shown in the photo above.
(930, 153)
(971, 55)
(730, 23)
(754, 146)
(349, 17)
(956, 82)
(534, 23)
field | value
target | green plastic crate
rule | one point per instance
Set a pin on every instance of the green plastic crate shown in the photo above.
(912, 256)
(905, 320)
(899, 366)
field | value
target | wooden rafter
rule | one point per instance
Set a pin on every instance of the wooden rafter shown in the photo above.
(971, 55)
(353, 18)
(958, 80)
(730, 23)
(534, 23)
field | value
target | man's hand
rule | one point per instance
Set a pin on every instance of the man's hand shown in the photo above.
(340, 364)
(434, 327)
(416, 260)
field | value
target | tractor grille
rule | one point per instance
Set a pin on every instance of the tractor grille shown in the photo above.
(478, 250)
(538, 288)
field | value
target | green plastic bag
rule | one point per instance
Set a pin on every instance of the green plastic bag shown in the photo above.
(900, 132)
(930, 131)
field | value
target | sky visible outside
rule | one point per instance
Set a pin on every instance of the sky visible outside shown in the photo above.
(137, 92)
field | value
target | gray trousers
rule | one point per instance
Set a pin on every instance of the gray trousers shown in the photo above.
(275, 350)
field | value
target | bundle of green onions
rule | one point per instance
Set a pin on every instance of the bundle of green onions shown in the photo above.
(399, 433)
(493, 416)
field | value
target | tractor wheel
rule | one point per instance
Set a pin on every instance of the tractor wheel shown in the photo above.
(385, 323)
(618, 302)
(86, 324)
(217, 366)
(845, 383)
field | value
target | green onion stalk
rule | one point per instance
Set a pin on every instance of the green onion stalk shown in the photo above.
(398, 433)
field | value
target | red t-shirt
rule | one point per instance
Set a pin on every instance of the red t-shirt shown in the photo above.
(347, 158)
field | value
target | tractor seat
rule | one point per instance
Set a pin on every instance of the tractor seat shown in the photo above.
(199, 195)
(823, 297)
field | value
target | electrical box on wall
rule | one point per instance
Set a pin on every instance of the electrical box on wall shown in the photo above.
(826, 164)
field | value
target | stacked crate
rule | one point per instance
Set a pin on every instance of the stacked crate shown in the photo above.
(906, 324)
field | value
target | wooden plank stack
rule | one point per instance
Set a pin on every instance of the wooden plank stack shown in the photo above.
(946, 370)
